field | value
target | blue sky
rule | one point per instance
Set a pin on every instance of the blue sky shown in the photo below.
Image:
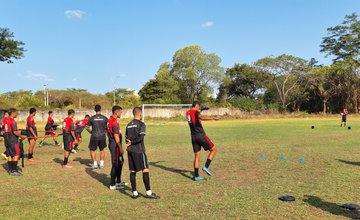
(87, 43)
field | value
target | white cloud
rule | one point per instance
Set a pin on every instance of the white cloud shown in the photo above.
(207, 24)
(30, 75)
(74, 14)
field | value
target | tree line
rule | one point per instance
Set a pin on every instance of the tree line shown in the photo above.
(277, 83)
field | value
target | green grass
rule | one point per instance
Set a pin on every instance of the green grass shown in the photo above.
(243, 186)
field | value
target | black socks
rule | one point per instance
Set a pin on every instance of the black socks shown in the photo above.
(112, 175)
(30, 156)
(146, 180)
(66, 160)
(196, 172)
(207, 164)
(133, 181)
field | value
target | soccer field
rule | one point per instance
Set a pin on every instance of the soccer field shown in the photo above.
(244, 185)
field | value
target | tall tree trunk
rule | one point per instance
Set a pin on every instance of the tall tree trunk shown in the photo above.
(324, 107)
(356, 101)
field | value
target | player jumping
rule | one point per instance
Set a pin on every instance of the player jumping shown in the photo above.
(199, 139)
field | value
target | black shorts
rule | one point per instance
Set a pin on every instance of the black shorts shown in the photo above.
(137, 161)
(116, 158)
(13, 149)
(29, 134)
(201, 140)
(343, 120)
(68, 142)
(94, 144)
(50, 132)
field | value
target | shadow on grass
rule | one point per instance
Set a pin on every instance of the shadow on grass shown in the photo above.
(330, 207)
(86, 162)
(105, 180)
(349, 162)
(59, 161)
(172, 170)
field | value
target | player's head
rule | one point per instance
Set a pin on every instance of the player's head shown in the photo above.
(71, 113)
(196, 105)
(87, 116)
(12, 113)
(97, 108)
(51, 113)
(6, 113)
(137, 112)
(32, 111)
(117, 111)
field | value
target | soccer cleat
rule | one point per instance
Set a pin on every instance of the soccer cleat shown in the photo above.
(135, 197)
(152, 196)
(198, 178)
(101, 166)
(15, 173)
(66, 166)
(4, 156)
(73, 151)
(123, 184)
(95, 166)
(207, 170)
(116, 187)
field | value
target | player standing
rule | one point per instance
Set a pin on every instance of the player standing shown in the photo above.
(80, 126)
(68, 137)
(49, 128)
(343, 117)
(31, 133)
(116, 150)
(98, 124)
(11, 135)
(135, 134)
(199, 139)
(3, 122)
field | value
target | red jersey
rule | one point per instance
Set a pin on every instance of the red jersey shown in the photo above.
(3, 123)
(194, 120)
(30, 123)
(49, 124)
(80, 125)
(68, 125)
(113, 128)
(9, 129)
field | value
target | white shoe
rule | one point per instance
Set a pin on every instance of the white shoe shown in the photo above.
(116, 187)
(95, 166)
(74, 151)
(101, 166)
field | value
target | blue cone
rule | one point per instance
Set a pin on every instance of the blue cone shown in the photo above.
(282, 158)
(301, 160)
(262, 157)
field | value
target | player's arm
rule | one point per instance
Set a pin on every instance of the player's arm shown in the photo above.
(117, 140)
(16, 132)
(72, 132)
(87, 127)
(141, 135)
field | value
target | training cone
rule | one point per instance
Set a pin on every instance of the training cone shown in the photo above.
(262, 157)
(301, 160)
(282, 158)
(287, 198)
(350, 206)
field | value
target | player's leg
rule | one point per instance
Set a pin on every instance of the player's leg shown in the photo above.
(67, 147)
(119, 171)
(146, 178)
(32, 143)
(93, 147)
(13, 151)
(102, 146)
(42, 140)
(208, 146)
(114, 166)
(132, 168)
(197, 149)
(54, 137)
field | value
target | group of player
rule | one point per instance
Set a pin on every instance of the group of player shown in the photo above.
(101, 127)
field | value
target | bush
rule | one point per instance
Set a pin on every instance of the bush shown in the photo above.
(246, 104)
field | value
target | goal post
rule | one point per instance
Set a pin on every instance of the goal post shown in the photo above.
(143, 106)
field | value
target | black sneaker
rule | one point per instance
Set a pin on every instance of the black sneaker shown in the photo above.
(135, 197)
(152, 196)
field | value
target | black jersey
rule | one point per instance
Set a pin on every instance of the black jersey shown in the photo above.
(135, 132)
(98, 124)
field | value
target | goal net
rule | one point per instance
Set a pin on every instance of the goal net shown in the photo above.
(163, 110)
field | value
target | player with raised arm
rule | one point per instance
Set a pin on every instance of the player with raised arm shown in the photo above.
(199, 139)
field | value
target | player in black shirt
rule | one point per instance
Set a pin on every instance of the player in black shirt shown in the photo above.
(135, 134)
(199, 139)
(343, 117)
(98, 124)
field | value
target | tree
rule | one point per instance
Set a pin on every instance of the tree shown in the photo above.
(163, 89)
(245, 81)
(9, 48)
(343, 41)
(284, 71)
(197, 72)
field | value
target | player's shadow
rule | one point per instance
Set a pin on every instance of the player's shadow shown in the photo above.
(183, 173)
(59, 161)
(349, 162)
(105, 180)
(86, 162)
(330, 207)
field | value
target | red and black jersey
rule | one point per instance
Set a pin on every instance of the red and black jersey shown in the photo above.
(113, 128)
(9, 129)
(30, 123)
(49, 124)
(3, 123)
(68, 125)
(80, 125)
(194, 120)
